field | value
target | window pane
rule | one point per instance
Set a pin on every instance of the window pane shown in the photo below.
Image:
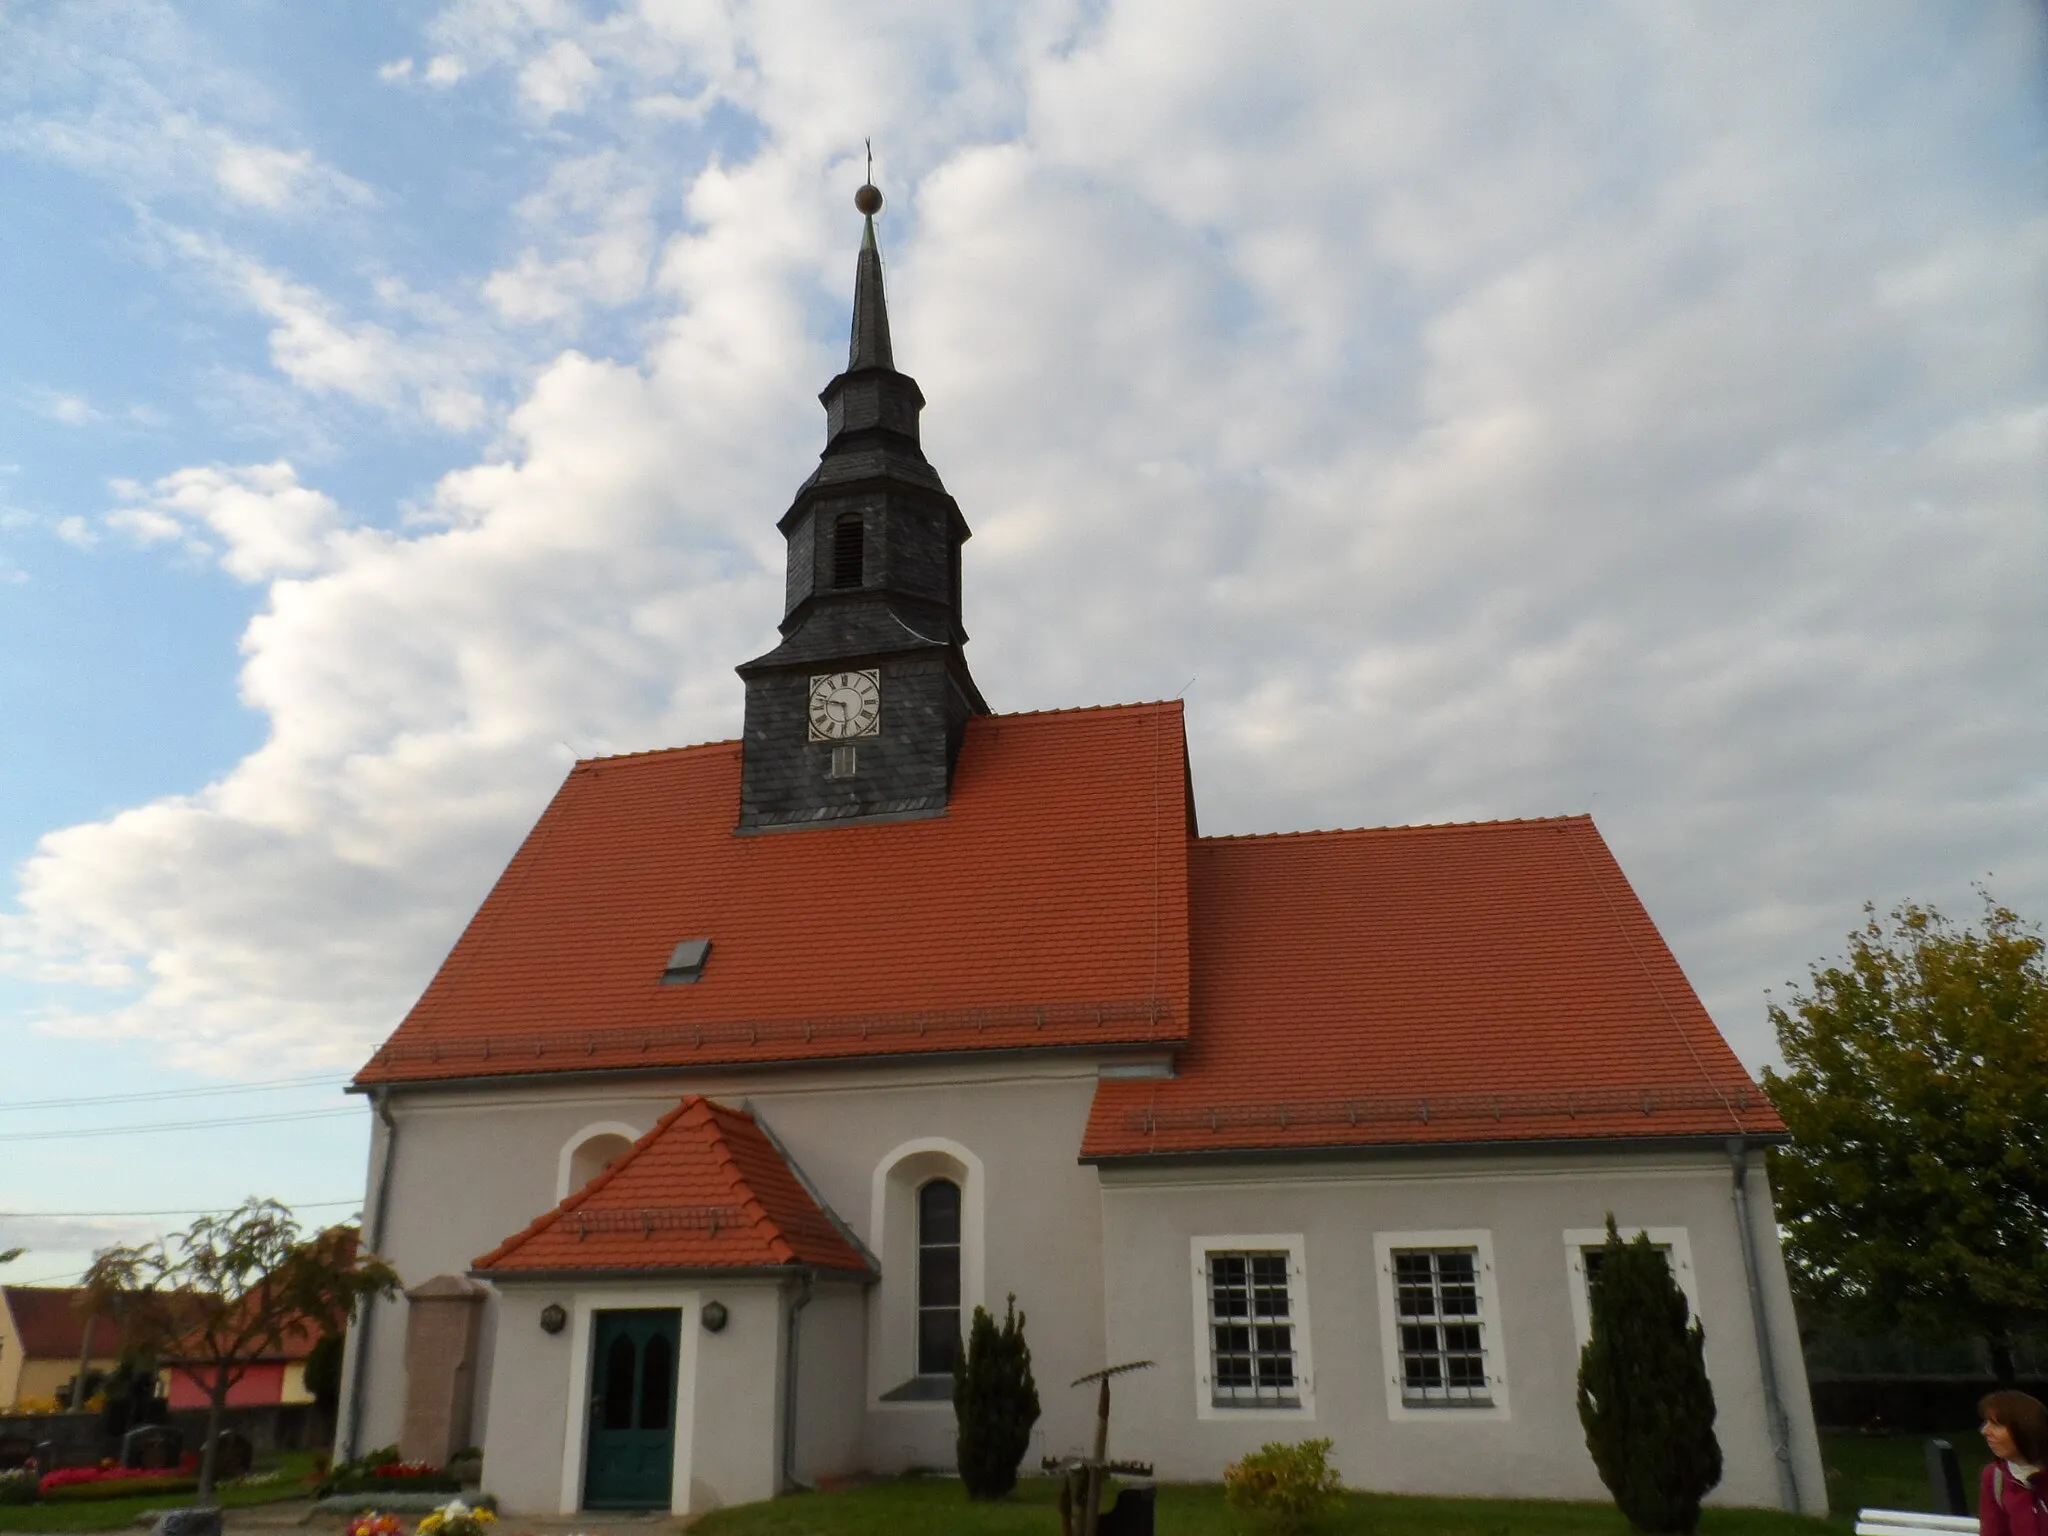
(938, 1212)
(938, 1340)
(938, 1277)
(656, 1390)
(618, 1384)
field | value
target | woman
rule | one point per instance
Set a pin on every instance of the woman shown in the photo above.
(2012, 1496)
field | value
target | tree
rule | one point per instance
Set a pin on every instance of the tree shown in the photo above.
(1915, 1194)
(229, 1290)
(995, 1403)
(1644, 1397)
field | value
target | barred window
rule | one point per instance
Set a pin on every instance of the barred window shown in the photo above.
(1251, 1331)
(1442, 1334)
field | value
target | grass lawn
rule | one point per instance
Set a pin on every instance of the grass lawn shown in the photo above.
(1862, 1473)
(114, 1514)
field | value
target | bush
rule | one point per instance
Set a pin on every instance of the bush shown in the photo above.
(995, 1403)
(1283, 1486)
(155, 1485)
(18, 1487)
(1644, 1398)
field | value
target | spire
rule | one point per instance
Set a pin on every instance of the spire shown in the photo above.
(870, 343)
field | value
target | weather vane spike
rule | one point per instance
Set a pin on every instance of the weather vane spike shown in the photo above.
(869, 198)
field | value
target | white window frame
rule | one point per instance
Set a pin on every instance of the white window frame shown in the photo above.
(1577, 1240)
(1494, 1334)
(1292, 1244)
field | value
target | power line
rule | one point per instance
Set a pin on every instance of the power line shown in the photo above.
(268, 1085)
(183, 1210)
(179, 1125)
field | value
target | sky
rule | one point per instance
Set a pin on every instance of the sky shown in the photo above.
(1472, 410)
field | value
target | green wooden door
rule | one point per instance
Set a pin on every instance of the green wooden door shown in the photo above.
(632, 1447)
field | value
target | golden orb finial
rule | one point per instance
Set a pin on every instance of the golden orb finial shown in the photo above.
(868, 199)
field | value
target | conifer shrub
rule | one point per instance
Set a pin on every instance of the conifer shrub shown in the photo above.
(1283, 1486)
(995, 1402)
(1644, 1398)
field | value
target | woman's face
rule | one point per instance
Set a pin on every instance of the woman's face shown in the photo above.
(1999, 1439)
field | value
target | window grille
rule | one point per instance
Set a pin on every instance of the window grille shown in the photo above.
(1251, 1332)
(1436, 1309)
(938, 1277)
(849, 551)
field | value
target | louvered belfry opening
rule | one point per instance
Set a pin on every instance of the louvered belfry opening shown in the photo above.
(849, 551)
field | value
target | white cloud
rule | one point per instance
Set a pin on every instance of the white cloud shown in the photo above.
(258, 174)
(1598, 411)
(321, 350)
(558, 79)
(396, 70)
(72, 410)
(127, 94)
(267, 524)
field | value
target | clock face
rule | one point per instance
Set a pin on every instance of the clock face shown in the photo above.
(846, 704)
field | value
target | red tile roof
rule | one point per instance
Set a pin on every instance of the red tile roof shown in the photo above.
(1493, 982)
(1047, 907)
(47, 1321)
(705, 1189)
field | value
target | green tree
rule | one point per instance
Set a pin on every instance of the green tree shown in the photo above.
(229, 1290)
(1644, 1397)
(1915, 1192)
(995, 1403)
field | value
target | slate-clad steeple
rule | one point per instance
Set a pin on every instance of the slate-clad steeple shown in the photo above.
(859, 712)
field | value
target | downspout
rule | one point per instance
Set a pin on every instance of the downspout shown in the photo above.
(1775, 1423)
(380, 1099)
(789, 1383)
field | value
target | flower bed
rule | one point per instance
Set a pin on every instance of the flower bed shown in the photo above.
(105, 1472)
(382, 1472)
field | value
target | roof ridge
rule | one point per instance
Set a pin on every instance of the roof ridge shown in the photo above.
(778, 1242)
(1134, 706)
(1407, 826)
(620, 757)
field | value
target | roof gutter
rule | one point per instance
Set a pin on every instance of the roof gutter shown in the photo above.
(502, 1277)
(359, 1357)
(1775, 1423)
(692, 1071)
(789, 1383)
(1362, 1150)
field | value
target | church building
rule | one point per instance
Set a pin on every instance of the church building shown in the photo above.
(766, 1062)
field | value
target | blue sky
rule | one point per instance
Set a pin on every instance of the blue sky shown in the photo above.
(1630, 410)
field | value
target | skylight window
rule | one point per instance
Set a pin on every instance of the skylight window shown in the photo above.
(686, 962)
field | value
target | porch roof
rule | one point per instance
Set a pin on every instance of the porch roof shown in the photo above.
(704, 1189)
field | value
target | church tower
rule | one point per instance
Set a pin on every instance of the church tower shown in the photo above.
(859, 712)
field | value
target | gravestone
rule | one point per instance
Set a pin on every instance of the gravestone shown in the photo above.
(46, 1456)
(187, 1522)
(1131, 1515)
(157, 1447)
(233, 1455)
(1945, 1477)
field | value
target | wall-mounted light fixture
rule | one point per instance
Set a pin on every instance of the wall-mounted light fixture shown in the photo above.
(714, 1317)
(553, 1319)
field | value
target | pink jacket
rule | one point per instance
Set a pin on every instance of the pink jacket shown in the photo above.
(2008, 1507)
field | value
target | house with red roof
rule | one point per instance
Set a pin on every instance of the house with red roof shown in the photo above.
(43, 1341)
(766, 1062)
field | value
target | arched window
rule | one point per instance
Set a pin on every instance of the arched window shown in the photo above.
(938, 1277)
(849, 551)
(589, 1152)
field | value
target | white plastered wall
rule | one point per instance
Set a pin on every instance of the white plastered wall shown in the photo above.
(474, 1166)
(1524, 1204)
